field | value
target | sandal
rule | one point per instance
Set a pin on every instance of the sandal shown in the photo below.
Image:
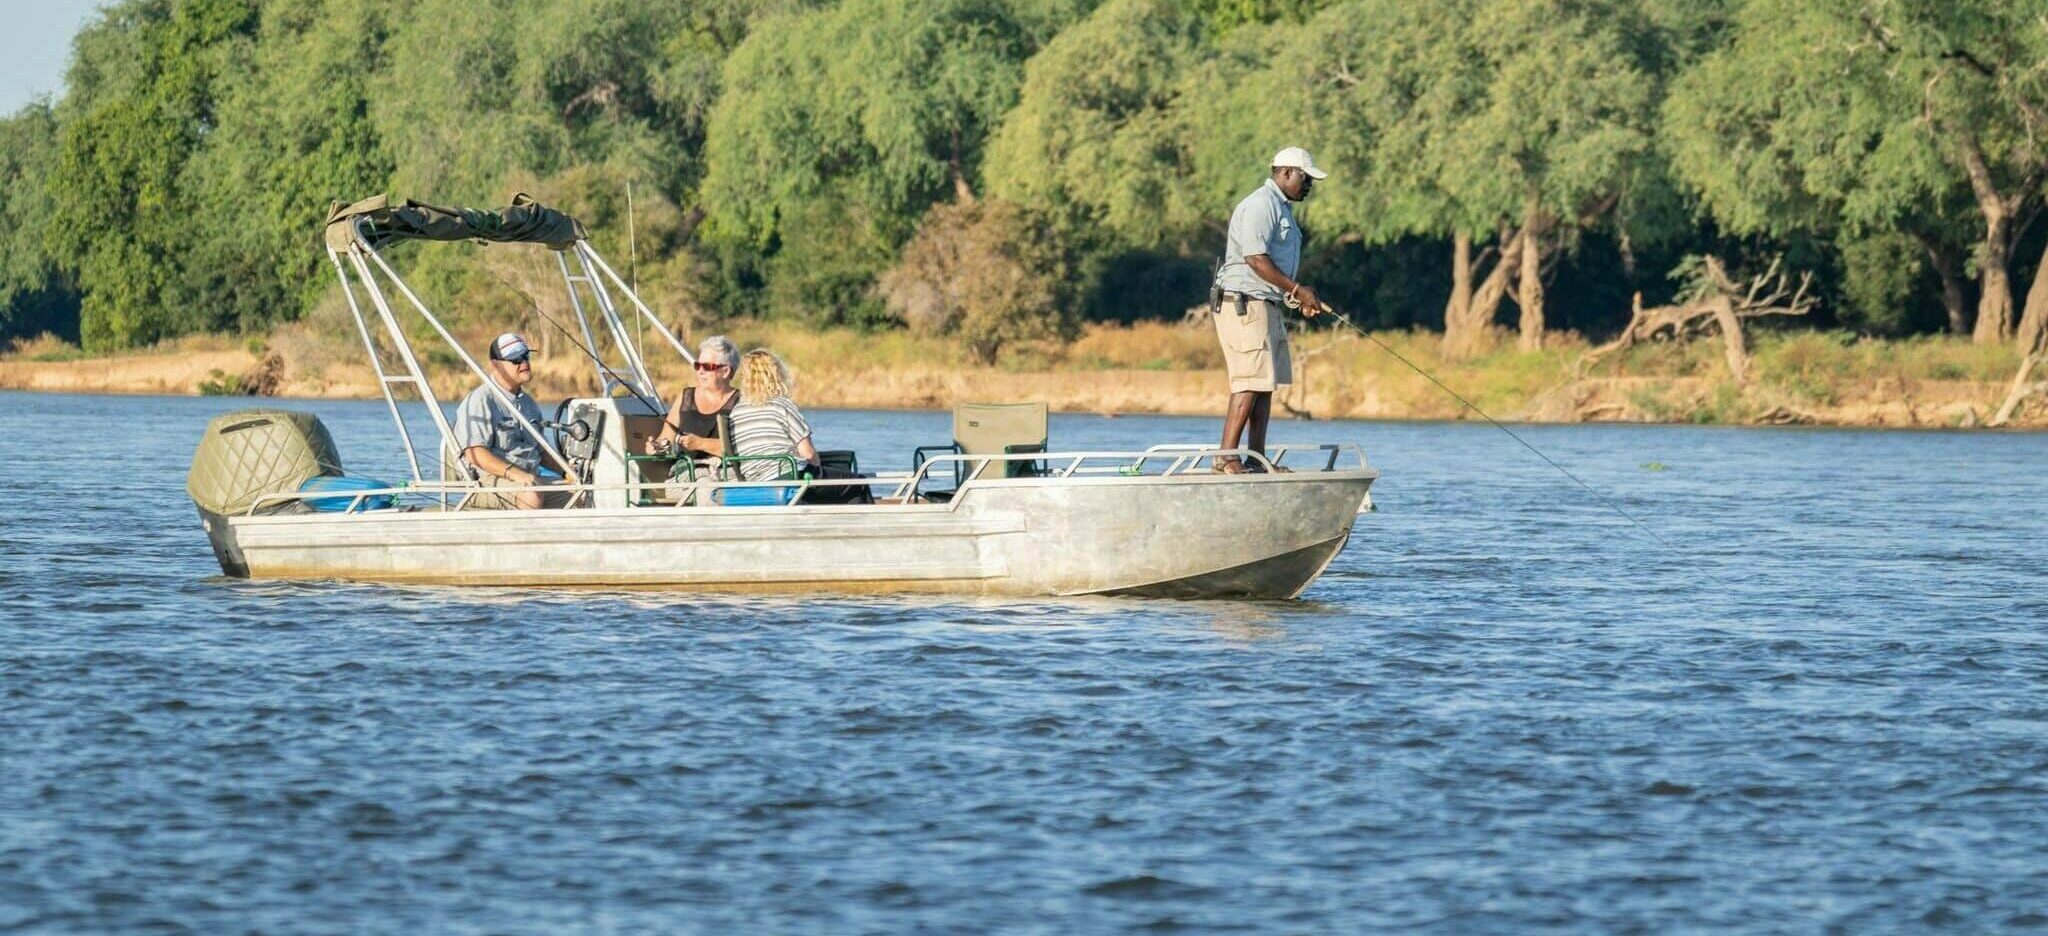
(1229, 466)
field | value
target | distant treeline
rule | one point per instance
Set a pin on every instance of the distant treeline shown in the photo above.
(998, 169)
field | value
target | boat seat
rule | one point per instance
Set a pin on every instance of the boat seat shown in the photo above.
(837, 464)
(991, 429)
(671, 468)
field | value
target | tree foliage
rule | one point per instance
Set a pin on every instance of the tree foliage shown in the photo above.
(838, 126)
(1090, 138)
(990, 272)
(792, 157)
(1872, 117)
(34, 296)
(145, 82)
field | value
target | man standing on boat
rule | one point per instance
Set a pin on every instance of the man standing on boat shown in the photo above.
(494, 443)
(1253, 287)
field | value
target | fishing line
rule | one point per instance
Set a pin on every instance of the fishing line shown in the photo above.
(595, 359)
(1369, 336)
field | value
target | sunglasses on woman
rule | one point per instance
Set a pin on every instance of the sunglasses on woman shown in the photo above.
(707, 366)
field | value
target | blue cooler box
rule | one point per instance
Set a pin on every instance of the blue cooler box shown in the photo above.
(345, 488)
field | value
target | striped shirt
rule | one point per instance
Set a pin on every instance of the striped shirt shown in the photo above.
(773, 427)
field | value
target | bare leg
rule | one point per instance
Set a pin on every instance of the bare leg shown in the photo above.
(1262, 413)
(1242, 404)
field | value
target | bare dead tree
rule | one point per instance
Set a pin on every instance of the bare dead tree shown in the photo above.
(2021, 389)
(1713, 302)
(602, 95)
(1468, 316)
(1296, 399)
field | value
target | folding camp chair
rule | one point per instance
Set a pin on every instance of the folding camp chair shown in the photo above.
(991, 429)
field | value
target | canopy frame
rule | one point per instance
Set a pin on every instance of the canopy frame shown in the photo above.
(358, 263)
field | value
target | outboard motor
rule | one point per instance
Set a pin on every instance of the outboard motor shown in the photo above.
(248, 454)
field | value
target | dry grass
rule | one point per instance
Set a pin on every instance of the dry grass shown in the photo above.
(1158, 367)
(45, 347)
(1152, 346)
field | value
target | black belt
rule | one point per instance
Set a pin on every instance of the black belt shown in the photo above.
(1218, 298)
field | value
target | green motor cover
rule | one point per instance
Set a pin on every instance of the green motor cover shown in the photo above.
(247, 454)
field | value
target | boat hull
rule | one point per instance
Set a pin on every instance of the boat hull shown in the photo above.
(1183, 536)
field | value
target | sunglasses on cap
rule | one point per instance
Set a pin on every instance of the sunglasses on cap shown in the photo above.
(514, 359)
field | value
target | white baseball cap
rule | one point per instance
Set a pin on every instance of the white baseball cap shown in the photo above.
(1294, 157)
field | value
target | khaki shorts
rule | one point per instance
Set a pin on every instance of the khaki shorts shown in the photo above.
(488, 499)
(1255, 345)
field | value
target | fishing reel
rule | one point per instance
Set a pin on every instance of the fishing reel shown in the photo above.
(1294, 303)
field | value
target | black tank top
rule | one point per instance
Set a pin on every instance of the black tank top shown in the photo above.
(702, 424)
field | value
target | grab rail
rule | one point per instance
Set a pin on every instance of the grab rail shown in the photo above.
(1184, 459)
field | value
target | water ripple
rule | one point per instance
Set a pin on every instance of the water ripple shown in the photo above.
(1498, 711)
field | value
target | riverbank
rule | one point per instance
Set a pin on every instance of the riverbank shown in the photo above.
(1814, 378)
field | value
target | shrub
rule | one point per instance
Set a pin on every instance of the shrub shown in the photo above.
(46, 347)
(222, 384)
(990, 273)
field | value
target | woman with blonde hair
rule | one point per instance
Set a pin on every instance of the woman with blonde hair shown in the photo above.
(766, 421)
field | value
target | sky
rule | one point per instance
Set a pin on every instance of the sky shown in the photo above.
(35, 45)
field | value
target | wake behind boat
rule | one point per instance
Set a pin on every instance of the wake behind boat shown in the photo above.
(981, 516)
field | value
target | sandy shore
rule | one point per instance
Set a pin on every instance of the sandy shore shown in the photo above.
(1881, 402)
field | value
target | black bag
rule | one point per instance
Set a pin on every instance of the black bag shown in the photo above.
(836, 466)
(1216, 289)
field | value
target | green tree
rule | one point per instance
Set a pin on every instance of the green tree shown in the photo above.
(1563, 129)
(1527, 121)
(448, 105)
(145, 79)
(1090, 138)
(688, 76)
(293, 135)
(34, 296)
(1220, 17)
(990, 272)
(864, 114)
(1876, 115)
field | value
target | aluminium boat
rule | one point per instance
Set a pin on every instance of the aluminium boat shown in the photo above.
(274, 501)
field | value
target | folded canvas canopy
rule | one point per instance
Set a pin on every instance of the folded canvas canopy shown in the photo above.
(524, 222)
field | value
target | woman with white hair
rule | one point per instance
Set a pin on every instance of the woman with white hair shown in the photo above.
(693, 421)
(766, 421)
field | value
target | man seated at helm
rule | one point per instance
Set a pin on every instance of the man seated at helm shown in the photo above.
(504, 452)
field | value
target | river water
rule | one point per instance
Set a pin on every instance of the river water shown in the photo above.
(1825, 705)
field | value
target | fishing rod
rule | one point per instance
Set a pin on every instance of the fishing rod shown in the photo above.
(620, 379)
(1474, 407)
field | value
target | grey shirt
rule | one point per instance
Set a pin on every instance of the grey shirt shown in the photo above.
(483, 420)
(1262, 224)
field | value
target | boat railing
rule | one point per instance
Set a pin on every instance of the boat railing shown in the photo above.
(1158, 461)
(1179, 458)
(1188, 455)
